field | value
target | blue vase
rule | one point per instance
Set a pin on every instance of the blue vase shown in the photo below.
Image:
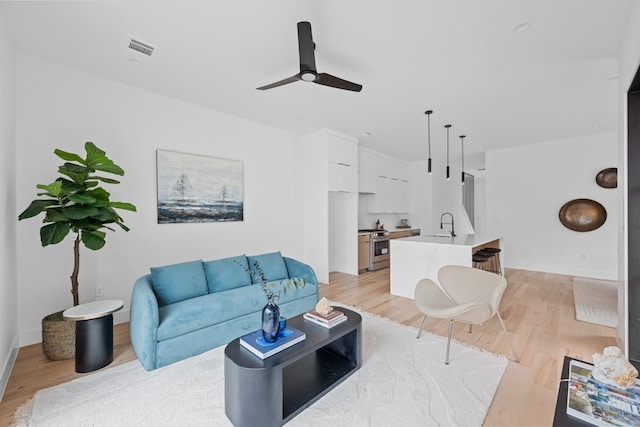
(270, 322)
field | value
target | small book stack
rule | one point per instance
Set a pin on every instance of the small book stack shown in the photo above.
(255, 343)
(335, 317)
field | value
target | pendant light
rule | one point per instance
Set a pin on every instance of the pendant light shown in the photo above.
(447, 127)
(462, 137)
(428, 113)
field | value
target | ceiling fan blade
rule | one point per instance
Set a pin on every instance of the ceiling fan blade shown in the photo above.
(306, 48)
(333, 81)
(286, 81)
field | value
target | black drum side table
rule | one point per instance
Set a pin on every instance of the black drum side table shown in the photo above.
(94, 333)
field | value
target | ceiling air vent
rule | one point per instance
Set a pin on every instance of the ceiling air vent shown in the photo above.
(143, 48)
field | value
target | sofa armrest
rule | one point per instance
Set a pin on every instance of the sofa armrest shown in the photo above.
(300, 269)
(144, 322)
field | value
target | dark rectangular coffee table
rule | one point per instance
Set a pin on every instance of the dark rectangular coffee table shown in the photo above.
(272, 391)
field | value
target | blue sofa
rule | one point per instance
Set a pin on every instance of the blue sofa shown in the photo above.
(180, 310)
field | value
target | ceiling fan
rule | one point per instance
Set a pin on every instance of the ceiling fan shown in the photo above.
(308, 71)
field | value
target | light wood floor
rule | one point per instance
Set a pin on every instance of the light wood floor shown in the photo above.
(537, 308)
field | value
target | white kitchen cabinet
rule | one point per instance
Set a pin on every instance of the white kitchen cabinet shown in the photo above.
(342, 151)
(367, 171)
(343, 178)
(343, 164)
(393, 193)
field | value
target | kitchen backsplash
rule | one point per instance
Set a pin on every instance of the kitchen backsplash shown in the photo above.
(390, 220)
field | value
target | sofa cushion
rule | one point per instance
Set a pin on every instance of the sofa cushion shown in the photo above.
(272, 264)
(227, 273)
(178, 282)
(186, 316)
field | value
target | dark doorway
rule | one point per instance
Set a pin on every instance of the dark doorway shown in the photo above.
(633, 229)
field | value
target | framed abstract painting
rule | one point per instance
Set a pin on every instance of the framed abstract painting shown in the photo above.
(195, 188)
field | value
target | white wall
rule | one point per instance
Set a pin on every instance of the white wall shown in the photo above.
(58, 107)
(480, 201)
(8, 287)
(447, 197)
(421, 198)
(316, 203)
(527, 186)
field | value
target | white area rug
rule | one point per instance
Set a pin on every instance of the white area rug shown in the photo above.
(403, 382)
(596, 301)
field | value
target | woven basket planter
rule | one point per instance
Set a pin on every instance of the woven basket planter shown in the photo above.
(58, 337)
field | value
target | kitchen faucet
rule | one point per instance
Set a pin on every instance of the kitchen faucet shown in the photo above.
(453, 232)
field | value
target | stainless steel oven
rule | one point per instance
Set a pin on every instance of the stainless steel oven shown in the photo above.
(379, 250)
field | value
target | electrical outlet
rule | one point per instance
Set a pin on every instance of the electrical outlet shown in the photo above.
(99, 291)
(583, 256)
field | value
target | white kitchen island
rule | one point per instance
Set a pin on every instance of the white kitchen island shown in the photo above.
(418, 257)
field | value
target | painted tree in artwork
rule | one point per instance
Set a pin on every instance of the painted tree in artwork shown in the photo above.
(182, 186)
(224, 193)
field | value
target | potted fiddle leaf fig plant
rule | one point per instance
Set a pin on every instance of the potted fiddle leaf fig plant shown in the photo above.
(75, 203)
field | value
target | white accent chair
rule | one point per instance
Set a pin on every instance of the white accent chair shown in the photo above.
(467, 295)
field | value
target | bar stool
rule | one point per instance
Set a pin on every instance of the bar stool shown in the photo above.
(491, 262)
(496, 252)
(480, 260)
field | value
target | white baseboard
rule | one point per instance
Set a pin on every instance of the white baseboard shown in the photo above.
(592, 274)
(8, 367)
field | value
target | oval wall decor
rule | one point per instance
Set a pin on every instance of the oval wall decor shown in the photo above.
(607, 178)
(582, 215)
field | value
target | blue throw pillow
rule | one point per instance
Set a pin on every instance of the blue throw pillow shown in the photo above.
(224, 274)
(272, 264)
(178, 282)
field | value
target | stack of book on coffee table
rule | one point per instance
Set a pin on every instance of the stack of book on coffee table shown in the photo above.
(256, 344)
(335, 317)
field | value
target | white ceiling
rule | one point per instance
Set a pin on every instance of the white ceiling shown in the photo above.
(460, 58)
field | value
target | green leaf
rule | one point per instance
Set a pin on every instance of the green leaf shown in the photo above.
(70, 157)
(82, 198)
(52, 189)
(123, 205)
(94, 154)
(107, 215)
(111, 168)
(53, 233)
(55, 215)
(292, 284)
(106, 180)
(76, 177)
(80, 212)
(87, 224)
(72, 167)
(93, 239)
(35, 207)
(70, 186)
(99, 193)
(124, 227)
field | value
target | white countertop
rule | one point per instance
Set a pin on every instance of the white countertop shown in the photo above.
(460, 240)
